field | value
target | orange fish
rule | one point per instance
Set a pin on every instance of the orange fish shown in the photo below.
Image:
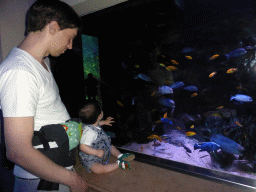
(239, 124)
(179, 128)
(194, 94)
(192, 126)
(212, 74)
(190, 133)
(119, 103)
(137, 66)
(171, 68)
(188, 57)
(141, 148)
(220, 107)
(174, 62)
(214, 57)
(153, 94)
(215, 114)
(232, 70)
(154, 137)
(165, 115)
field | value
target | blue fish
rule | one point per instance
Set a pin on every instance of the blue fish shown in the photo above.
(227, 145)
(207, 146)
(187, 50)
(124, 66)
(191, 88)
(165, 90)
(241, 98)
(236, 53)
(167, 102)
(177, 85)
(166, 120)
(143, 77)
(250, 47)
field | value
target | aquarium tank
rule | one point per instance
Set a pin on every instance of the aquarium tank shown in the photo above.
(91, 66)
(180, 81)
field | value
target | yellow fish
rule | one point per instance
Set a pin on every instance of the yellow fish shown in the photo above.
(154, 137)
(137, 66)
(220, 107)
(179, 128)
(190, 133)
(163, 65)
(192, 126)
(232, 70)
(171, 68)
(174, 62)
(212, 74)
(214, 57)
(119, 103)
(194, 94)
(188, 57)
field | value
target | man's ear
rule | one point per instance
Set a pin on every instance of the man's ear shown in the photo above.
(53, 27)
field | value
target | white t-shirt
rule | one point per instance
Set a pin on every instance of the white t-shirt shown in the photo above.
(89, 135)
(27, 89)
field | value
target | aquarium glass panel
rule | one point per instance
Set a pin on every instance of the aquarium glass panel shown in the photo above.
(91, 64)
(193, 100)
(180, 80)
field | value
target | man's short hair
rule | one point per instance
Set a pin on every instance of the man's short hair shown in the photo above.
(42, 12)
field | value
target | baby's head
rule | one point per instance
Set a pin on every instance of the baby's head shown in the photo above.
(91, 112)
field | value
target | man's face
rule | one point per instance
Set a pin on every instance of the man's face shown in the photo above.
(62, 41)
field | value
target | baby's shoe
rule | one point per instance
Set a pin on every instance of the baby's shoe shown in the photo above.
(123, 164)
(126, 157)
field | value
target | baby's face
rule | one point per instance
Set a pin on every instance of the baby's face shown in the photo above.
(101, 115)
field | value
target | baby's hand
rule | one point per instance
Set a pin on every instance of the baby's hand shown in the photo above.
(100, 153)
(108, 121)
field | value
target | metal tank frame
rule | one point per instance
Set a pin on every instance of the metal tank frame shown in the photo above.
(200, 172)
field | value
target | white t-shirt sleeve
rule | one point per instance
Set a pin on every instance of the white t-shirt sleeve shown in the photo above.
(88, 137)
(19, 93)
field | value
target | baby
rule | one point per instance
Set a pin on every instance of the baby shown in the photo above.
(95, 145)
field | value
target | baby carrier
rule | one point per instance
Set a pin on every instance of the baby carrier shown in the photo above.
(64, 152)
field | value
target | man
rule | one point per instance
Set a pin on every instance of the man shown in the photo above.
(29, 96)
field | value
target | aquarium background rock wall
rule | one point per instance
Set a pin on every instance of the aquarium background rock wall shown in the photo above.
(186, 67)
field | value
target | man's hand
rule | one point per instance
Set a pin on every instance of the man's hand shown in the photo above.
(78, 184)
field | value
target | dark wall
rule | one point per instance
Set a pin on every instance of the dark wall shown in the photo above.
(69, 75)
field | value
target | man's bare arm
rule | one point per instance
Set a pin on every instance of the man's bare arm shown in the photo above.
(18, 137)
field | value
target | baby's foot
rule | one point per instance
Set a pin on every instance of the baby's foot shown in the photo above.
(126, 157)
(124, 164)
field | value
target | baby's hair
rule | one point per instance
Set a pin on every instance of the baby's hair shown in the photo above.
(90, 112)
